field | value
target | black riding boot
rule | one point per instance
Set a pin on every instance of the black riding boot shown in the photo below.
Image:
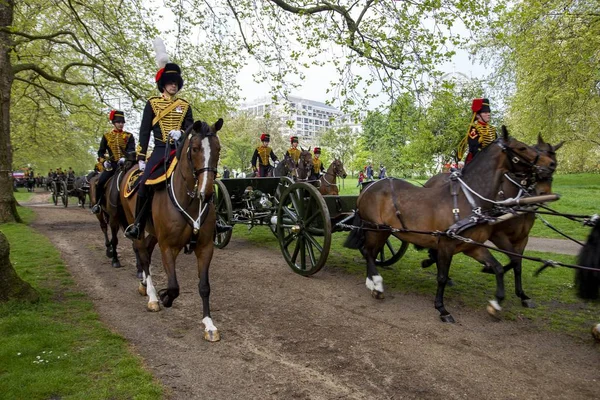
(134, 231)
(98, 207)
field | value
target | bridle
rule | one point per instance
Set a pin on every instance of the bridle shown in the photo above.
(516, 159)
(336, 173)
(196, 172)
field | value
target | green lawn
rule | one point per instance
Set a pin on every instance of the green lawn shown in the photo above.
(58, 348)
(23, 195)
(580, 194)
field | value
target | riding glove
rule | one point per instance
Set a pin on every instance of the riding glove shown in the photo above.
(141, 165)
(175, 135)
(106, 164)
(121, 161)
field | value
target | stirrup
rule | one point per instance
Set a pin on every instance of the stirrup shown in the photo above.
(96, 209)
(132, 232)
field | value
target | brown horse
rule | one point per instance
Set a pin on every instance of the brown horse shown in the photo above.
(102, 216)
(305, 165)
(182, 212)
(329, 178)
(511, 235)
(417, 213)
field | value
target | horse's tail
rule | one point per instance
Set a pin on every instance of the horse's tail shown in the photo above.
(356, 237)
(587, 281)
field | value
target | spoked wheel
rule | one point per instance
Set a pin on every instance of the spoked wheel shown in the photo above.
(54, 189)
(392, 251)
(303, 228)
(284, 183)
(224, 213)
(64, 195)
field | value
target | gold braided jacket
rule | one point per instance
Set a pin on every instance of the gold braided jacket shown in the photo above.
(173, 121)
(486, 133)
(264, 153)
(317, 165)
(117, 142)
(294, 153)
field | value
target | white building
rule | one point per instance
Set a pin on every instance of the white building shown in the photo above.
(309, 117)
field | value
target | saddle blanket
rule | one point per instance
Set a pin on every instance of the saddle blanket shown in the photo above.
(157, 175)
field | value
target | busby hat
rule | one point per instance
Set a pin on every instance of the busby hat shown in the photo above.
(168, 72)
(317, 150)
(265, 137)
(480, 106)
(116, 116)
(294, 139)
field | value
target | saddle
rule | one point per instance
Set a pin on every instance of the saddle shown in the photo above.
(157, 175)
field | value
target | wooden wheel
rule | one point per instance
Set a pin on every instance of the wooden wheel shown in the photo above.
(224, 212)
(54, 189)
(303, 228)
(392, 251)
(64, 194)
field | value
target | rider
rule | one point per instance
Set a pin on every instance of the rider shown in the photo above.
(164, 117)
(117, 143)
(317, 164)
(480, 133)
(264, 152)
(293, 151)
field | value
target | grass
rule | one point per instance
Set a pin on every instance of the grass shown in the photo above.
(23, 195)
(579, 195)
(58, 348)
(553, 291)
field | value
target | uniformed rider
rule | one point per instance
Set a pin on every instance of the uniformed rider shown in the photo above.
(317, 164)
(262, 154)
(294, 151)
(115, 144)
(164, 117)
(481, 133)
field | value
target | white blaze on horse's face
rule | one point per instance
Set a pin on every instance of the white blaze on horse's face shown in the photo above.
(205, 145)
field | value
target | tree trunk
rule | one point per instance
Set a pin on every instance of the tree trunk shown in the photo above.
(8, 205)
(11, 286)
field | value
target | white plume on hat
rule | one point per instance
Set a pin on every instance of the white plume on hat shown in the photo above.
(162, 58)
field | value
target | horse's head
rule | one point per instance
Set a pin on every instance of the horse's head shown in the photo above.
(338, 168)
(543, 185)
(202, 149)
(305, 164)
(524, 159)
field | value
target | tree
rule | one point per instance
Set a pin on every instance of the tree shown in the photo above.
(546, 53)
(341, 143)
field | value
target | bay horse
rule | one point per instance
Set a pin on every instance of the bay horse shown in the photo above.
(587, 281)
(305, 165)
(182, 210)
(102, 216)
(418, 213)
(329, 186)
(286, 167)
(513, 234)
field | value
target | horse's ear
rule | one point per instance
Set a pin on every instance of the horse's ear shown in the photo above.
(218, 125)
(197, 127)
(504, 133)
(540, 140)
(558, 146)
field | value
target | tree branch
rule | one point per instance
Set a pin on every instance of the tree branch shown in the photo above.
(53, 78)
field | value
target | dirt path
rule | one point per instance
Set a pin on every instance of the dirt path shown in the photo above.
(285, 336)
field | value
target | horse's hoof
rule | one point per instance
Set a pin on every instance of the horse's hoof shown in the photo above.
(494, 309)
(109, 253)
(447, 318)
(376, 294)
(596, 332)
(427, 263)
(487, 270)
(153, 306)
(528, 303)
(140, 275)
(212, 336)
(142, 290)
(116, 264)
(450, 282)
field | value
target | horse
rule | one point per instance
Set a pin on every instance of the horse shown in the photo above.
(511, 235)
(183, 212)
(81, 186)
(102, 216)
(419, 213)
(336, 168)
(305, 165)
(587, 281)
(287, 167)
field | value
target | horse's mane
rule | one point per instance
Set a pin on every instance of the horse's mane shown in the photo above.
(477, 159)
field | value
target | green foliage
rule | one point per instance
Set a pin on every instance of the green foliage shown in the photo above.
(546, 53)
(58, 348)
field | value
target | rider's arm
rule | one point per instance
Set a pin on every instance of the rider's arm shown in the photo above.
(130, 146)
(188, 120)
(145, 130)
(273, 156)
(102, 149)
(254, 158)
